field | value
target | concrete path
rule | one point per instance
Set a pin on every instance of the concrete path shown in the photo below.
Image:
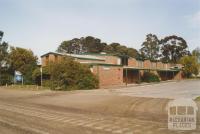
(171, 90)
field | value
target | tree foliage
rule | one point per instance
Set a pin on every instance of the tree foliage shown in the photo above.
(1, 35)
(23, 60)
(69, 74)
(3, 54)
(190, 64)
(150, 48)
(5, 70)
(36, 75)
(120, 50)
(91, 44)
(88, 44)
(3, 51)
(173, 48)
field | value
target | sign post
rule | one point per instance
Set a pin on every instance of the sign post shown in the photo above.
(41, 75)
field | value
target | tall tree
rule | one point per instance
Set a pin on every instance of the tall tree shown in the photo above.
(88, 44)
(131, 52)
(3, 51)
(5, 70)
(3, 54)
(91, 44)
(108, 49)
(173, 48)
(150, 47)
(73, 46)
(120, 50)
(23, 60)
(1, 35)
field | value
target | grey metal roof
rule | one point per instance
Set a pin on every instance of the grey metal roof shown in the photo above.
(79, 56)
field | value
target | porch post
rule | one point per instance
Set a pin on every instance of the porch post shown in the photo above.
(139, 75)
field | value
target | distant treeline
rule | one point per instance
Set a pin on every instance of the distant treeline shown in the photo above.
(168, 49)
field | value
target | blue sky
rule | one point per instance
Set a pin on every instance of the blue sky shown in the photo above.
(42, 25)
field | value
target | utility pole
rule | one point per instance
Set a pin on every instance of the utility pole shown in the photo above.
(126, 76)
(22, 80)
(139, 76)
(41, 75)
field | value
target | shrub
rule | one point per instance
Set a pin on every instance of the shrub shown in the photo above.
(89, 81)
(6, 78)
(36, 76)
(68, 74)
(46, 83)
(191, 65)
(150, 77)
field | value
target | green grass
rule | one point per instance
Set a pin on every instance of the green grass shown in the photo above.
(197, 99)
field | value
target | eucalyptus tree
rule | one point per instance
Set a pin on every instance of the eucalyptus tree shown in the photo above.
(150, 48)
(173, 48)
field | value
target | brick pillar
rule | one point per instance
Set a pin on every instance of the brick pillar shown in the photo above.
(178, 76)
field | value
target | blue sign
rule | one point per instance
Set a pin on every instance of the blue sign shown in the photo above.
(18, 76)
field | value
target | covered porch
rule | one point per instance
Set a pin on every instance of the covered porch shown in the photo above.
(134, 75)
(131, 75)
(169, 74)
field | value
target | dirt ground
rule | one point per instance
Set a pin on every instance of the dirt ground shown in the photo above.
(87, 112)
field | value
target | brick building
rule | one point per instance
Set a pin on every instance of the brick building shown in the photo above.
(111, 71)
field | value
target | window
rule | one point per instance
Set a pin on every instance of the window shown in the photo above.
(124, 61)
(106, 68)
(119, 61)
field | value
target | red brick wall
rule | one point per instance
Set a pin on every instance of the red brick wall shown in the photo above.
(147, 64)
(44, 61)
(50, 58)
(109, 59)
(159, 65)
(109, 75)
(132, 62)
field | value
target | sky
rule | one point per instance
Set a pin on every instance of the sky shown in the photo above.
(41, 25)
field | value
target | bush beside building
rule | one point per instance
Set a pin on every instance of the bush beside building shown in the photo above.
(150, 77)
(67, 74)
